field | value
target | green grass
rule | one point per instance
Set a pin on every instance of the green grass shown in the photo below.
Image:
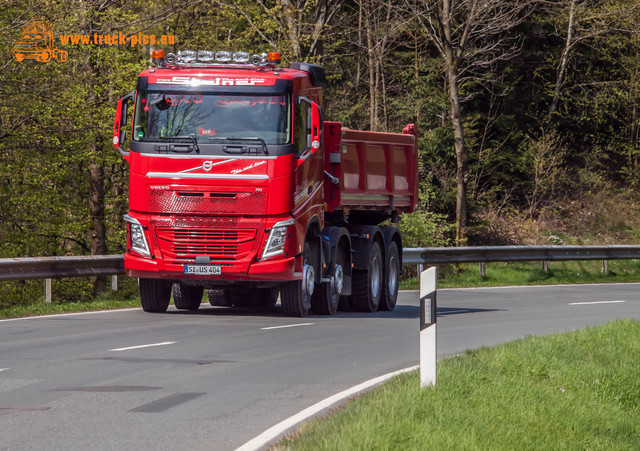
(531, 273)
(571, 391)
(106, 301)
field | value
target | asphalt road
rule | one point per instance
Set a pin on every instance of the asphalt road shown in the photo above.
(219, 377)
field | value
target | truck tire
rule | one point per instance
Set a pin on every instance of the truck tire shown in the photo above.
(219, 298)
(367, 285)
(268, 297)
(326, 299)
(155, 295)
(187, 297)
(296, 299)
(242, 296)
(391, 278)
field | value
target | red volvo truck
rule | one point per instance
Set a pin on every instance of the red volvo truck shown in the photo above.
(238, 186)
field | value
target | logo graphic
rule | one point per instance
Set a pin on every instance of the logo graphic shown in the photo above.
(36, 43)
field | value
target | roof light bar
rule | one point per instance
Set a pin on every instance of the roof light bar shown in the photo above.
(207, 57)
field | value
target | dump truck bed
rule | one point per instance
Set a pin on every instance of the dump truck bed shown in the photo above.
(373, 170)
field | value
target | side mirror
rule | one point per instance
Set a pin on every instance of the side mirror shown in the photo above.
(119, 133)
(314, 138)
(316, 125)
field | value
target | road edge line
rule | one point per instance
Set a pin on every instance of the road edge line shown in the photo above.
(279, 429)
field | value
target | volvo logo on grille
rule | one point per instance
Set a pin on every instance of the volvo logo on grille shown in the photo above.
(207, 165)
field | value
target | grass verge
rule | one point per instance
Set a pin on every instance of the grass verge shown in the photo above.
(531, 273)
(106, 301)
(578, 390)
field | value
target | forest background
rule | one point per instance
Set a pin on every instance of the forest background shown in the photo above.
(527, 112)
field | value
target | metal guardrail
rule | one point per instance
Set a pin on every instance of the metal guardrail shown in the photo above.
(113, 265)
(56, 267)
(486, 254)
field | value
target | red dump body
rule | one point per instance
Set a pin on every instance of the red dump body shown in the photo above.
(375, 170)
(235, 183)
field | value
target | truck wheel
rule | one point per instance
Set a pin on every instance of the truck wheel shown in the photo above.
(187, 297)
(296, 295)
(366, 286)
(268, 297)
(391, 279)
(242, 296)
(327, 298)
(155, 295)
(219, 298)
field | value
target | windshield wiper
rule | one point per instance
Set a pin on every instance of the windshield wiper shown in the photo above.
(261, 140)
(191, 137)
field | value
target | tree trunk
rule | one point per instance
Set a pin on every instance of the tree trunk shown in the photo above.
(462, 158)
(563, 59)
(97, 228)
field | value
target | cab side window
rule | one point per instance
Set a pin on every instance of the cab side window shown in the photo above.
(302, 127)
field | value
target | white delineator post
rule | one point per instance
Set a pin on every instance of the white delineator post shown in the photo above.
(428, 312)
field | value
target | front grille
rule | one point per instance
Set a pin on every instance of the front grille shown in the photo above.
(206, 202)
(188, 243)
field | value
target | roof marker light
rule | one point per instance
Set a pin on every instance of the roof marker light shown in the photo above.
(157, 54)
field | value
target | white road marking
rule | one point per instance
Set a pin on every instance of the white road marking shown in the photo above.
(59, 315)
(4, 369)
(287, 326)
(275, 431)
(598, 302)
(143, 346)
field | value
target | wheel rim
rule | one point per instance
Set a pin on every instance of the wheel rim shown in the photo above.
(393, 275)
(338, 279)
(376, 274)
(308, 277)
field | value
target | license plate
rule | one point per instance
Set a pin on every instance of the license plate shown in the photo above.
(203, 270)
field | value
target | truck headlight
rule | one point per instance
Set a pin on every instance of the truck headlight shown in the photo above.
(277, 239)
(136, 236)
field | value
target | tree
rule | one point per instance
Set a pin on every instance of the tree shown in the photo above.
(472, 37)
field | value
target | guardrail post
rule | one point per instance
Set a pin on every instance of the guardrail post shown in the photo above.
(428, 319)
(483, 269)
(114, 282)
(420, 266)
(545, 266)
(605, 267)
(47, 290)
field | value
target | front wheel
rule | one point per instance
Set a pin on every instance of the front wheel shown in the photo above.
(155, 295)
(187, 297)
(268, 297)
(296, 295)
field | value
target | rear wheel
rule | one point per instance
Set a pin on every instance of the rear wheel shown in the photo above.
(296, 295)
(366, 286)
(155, 295)
(391, 279)
(187, 297)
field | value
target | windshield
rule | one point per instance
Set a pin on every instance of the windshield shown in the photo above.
(161, 116)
